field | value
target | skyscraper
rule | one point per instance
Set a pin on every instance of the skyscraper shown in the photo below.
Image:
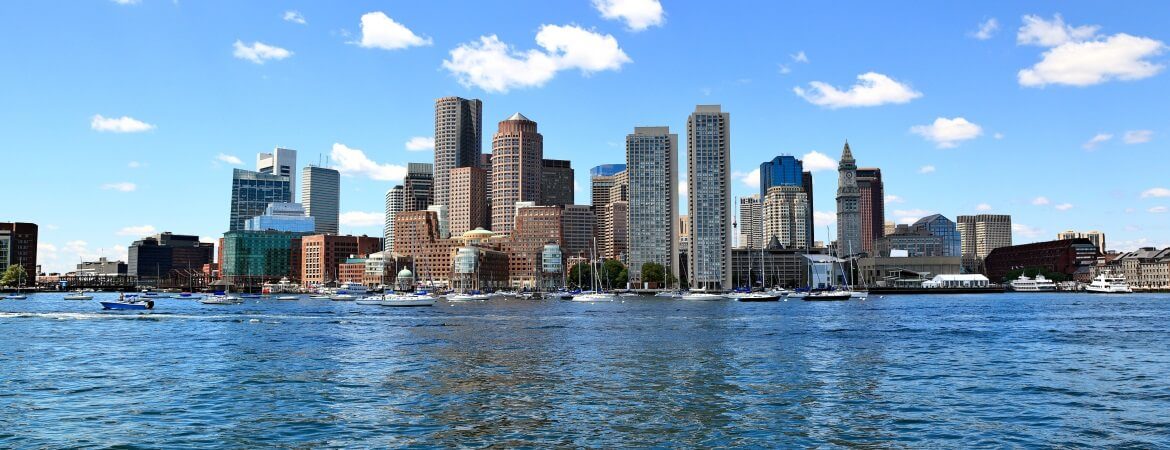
(613, 230)
(1096, 237)
(848, 205)
(395, 199)
(652, 170)
(444, 220)
(871, 207)
(578, 226)
(419, 186)
(468, 207)
(458, 141)
(786, 170)
(709, 197)
(517, 152)
(251, 194)
(281, 161)
(556, 183)
(982, 233)
(944, 228)
(321, 196)
(751, 225)
(784, 212)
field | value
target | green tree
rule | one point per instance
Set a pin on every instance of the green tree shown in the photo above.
(653, 272)
(581, 276)
(13, 276)
(612, 271)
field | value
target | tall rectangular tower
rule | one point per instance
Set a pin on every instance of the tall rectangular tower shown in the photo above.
(652, 170)
(458, 140)
(469, 207)
(251, 194)
(517, 152)
(395, 200)
(419, 185)
(709, 197)
(321, 196)
(556, 182)
(283, 162)
(848, 205)
(871, 207)
(751, 225)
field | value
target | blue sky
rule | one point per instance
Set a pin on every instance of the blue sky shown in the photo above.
(124, 118)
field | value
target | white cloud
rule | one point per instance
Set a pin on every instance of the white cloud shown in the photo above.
(361, 219)
(1158, 209)
(229, 159)
(948, 133)
(1063, 206)
(986, 29)
(909, 216)
(682, 188)
(821, 218)
(751, 179)
(1040, 201)
(124, 124)
(894, 199)
(983, 207)
(380, 31)
(354, 162)
(1026, 231)
(127, 2)
(120, 187)
(638, 14)
(800, 57)
(137, 230)
(998, 136)
(420, 143)
(1137, 136)
(135, 164)
(784, 70)
(493, 66)
(926, 169)
(815, 161)
(872, 89)
(258, 52)
(1077, 56)
(1099, 139)
(1156, 192)
(294, 16)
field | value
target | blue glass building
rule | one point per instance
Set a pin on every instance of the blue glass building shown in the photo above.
(784, 170)
(606, 170)
(287, 217)
(939, 225)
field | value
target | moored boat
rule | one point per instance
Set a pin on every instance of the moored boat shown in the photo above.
(418, 299)
(758, 297)
(704, 296)
(594, 297)
(828, 296)
(77, 296)
(288, 297)
(1109, 283)
(1038, 284)
(221, 299)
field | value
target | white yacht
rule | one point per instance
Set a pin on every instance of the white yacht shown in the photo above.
(594, 297)
(347, 292)
(1038, 284)
(421, 298)
(225, 299)
(1109, 283)
(705, 296)
(76, 296)
(472, 296)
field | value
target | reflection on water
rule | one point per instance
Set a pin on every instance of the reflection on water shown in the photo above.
(949, 371)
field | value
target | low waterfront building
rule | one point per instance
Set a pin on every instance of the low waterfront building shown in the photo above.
(18, 245)
(885, 271)
(288, 217)
(963, 281)
(416, 236)
(914, 241)
(1144, 268)
(252, 258)
(552, 268)
(534, 226)
(771, 267)
(156, 257)
(102, 267)
(321, 255)
(353, 270)
(1065, 256)
(478, 268)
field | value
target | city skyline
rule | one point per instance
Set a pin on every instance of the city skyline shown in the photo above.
(171, 116)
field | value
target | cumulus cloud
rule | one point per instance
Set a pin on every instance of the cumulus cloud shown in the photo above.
(815, 161)
(983, 207)
(137, 230)
(891, 198)
(259, 52)
(1137, 136)
(135, 165)
(872, 89)
(64, 258)
(822, 218)
(380, 31)
(493, 66)
(1098, 139)
(800, 57)
(127, 2)
(420, 143)
(1026, 231)
(354, 162)
(294, 16)
(1040, 201)
(124, 124)
(637, 14)
(1077, 56)
(1063, 206)
(225, 158)
(682, 188)
(986, 29)
(926, 169)
(1158, 209)
(908, 216)
(361, 219)
(948, 133)
(1157, 192)
(751, 179)
(120, 187)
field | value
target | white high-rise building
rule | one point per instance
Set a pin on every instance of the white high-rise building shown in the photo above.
(652, 171)
(709, 197)
(751, 225)
(785, 216)
(395, 201)
(321, 196)
(283, 162)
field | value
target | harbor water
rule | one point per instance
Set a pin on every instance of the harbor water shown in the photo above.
(960, 371)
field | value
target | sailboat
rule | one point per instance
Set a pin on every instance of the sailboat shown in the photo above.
(834, 293)
(599, 295)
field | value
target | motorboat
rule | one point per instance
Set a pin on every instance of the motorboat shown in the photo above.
(759, 297)
(418, 299)
(1038, 284)
(594, 297)
(343, 297)
(1109, 283)
(629, 294)
(78, 296)
(828, 296)
(470, 296)
(319, 297)
(129, 303)
(704, 296)
(373, 300)
(288, 297)
(221, 299)
(15, 297)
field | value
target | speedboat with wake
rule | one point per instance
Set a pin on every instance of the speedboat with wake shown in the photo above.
(130, 303)
(221, 299)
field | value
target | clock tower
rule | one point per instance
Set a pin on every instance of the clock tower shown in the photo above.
(848, 202)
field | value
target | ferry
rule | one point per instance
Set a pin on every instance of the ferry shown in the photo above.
(1038, 284)
(1109, 283)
